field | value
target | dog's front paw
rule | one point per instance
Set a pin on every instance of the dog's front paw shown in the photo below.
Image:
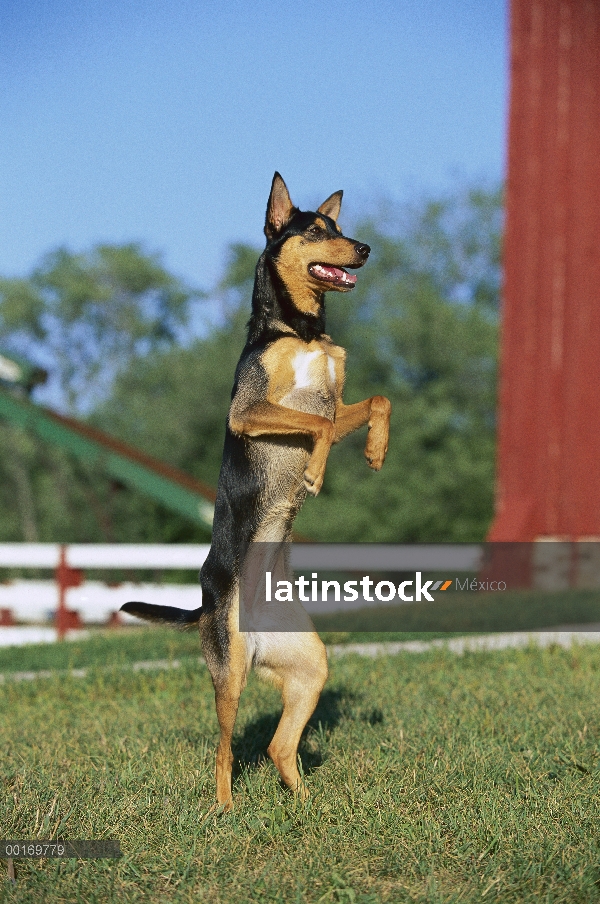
(375, 457)
(377, 443)
(379, 432)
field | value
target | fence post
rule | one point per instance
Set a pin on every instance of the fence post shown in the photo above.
(66, 577)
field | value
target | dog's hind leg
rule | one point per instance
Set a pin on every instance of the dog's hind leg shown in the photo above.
(227, 698)
(297, 663)
(228, 673)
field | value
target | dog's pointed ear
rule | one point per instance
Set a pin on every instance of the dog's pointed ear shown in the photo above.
(279, 209)
(331, 207)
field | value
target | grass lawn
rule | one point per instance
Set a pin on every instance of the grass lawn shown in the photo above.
(514, 610)
(133, 644)
(434, 778)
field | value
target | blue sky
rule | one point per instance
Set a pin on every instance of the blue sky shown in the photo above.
(163, 122)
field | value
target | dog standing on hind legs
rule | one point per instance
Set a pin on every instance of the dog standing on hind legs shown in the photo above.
(285, 414)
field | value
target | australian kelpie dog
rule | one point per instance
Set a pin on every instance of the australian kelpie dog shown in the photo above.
(286, 412)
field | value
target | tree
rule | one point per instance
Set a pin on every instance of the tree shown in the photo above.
(420, 327)
(88, 316)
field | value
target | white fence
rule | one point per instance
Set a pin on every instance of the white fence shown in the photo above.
(103, 555)
(94, 601)
(325, 556)
(97, 601)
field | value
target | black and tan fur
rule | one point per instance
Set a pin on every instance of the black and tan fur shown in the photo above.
(286, 412)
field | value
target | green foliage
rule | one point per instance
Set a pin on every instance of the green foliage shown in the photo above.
(21, 310)
(420, 327)
(93, 314)
(86, 317)
(240, 266)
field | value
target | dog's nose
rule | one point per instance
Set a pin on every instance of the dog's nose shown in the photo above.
(362, 251)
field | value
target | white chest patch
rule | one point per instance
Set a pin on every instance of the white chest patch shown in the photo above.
(301, 364)
(331, 367)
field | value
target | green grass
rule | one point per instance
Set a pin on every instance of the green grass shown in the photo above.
(128, 645)
(513, 610)
(434, 778)
(102, 648)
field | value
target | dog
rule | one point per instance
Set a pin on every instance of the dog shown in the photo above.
(286, 412)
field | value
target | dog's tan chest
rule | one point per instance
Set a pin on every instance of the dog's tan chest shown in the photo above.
(305, 376)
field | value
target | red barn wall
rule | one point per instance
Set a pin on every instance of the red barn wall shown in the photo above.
(549, 403)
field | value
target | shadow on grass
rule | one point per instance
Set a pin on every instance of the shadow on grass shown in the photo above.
(250, 746)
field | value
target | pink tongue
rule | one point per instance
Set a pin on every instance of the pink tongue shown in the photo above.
(346, 277)
(335, 273)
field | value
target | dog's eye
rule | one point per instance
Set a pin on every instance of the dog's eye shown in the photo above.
(314, 229)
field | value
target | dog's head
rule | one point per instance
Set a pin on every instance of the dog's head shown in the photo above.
(308, 250)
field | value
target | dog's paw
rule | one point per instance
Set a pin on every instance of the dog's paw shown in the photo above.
(312, 482)
(379, 432)
(302, 792)
(375, 461)
(376, 448)
(218, 808)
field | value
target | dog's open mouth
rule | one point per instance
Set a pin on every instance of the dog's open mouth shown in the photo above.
(336, 275)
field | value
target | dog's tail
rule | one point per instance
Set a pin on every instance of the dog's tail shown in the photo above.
(170, 615)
